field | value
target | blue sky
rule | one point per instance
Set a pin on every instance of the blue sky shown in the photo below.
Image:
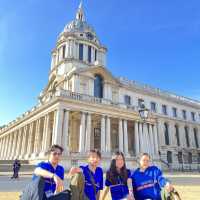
(151, 41)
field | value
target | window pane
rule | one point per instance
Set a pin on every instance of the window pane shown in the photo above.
(89, 54)
(166, 134)
(196, 138)
(187, 137)
(63, 53)
(169, 156)
(184, 114)
(98, 86)
(80, 51)
(177, 135)
(153, 106)
(164, 109)
(127, 100)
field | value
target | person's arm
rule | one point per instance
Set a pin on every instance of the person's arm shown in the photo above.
(46, 174)
(163, 182)
(73, 171)
(130, 189)
(105, 192)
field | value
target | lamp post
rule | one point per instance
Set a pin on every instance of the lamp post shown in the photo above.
(143, 112)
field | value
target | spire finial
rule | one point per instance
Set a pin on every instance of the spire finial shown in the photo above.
(80, 13)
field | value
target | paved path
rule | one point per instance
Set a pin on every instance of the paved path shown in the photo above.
(9, 185)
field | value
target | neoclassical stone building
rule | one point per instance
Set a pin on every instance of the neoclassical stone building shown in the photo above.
(84, 106)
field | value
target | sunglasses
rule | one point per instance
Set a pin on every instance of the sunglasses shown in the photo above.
(56, 153)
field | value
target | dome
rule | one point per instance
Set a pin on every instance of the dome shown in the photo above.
(79, 24)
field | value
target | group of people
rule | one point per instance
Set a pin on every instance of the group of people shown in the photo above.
(144, 183)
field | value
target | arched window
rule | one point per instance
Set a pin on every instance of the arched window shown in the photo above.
(98, 86)
(166, 132)
(177, 135)
(187, 136)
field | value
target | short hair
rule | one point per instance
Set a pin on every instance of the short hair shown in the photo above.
(54, 147)
(145, 154)
(96, 151)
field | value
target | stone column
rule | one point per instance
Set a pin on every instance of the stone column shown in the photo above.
(65, 139)
(191, 136)
(30, 141)
(7, 146)
(121, 142)
(37, 137)
(58, 127)
(146, 138)
(4, 146)
(152, 145)
(108, 142)
(82, 137)
(1, 146)
(88, 133)
(161, 133)
(137, 141)
(10, 144)
(46, 142)
(19, 143)
(126, 138)
(155, 134)
(172, 134)
(141, 138)
(24, 142)
(103, 134)
(14, 148)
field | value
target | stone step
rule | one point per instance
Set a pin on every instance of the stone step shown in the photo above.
(24, 168)
(11, 161)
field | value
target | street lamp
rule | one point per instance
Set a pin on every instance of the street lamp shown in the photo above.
(144, 112)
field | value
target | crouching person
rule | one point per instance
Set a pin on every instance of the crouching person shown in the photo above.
(87, 180)
(47, 179)
(148, 180)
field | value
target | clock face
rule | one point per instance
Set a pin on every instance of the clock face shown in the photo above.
(90, 36)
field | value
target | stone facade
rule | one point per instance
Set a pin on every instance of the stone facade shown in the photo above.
(84, 106)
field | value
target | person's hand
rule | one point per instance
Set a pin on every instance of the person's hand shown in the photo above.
(59, 183)
(169, 187)
(130, 197)
(74, 170)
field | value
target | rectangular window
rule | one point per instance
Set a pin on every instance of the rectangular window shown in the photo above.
(63, 51)
(164, 109)
(193, 116)
(180, 157)
(153, 106)
(190, 158)
(174, 110)
(89, 54)
(198, 159)
(80, 51)
(140, 103)
(95, 55)
(196, 138)
(127, 100)
(184, 114)
(177, 135)
(169, 157)
(187, 137)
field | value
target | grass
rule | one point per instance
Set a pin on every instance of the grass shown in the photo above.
(186, 192)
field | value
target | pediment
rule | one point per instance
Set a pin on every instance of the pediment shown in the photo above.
(103, 72)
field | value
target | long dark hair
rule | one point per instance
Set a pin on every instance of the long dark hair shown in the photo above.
(112, 175)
